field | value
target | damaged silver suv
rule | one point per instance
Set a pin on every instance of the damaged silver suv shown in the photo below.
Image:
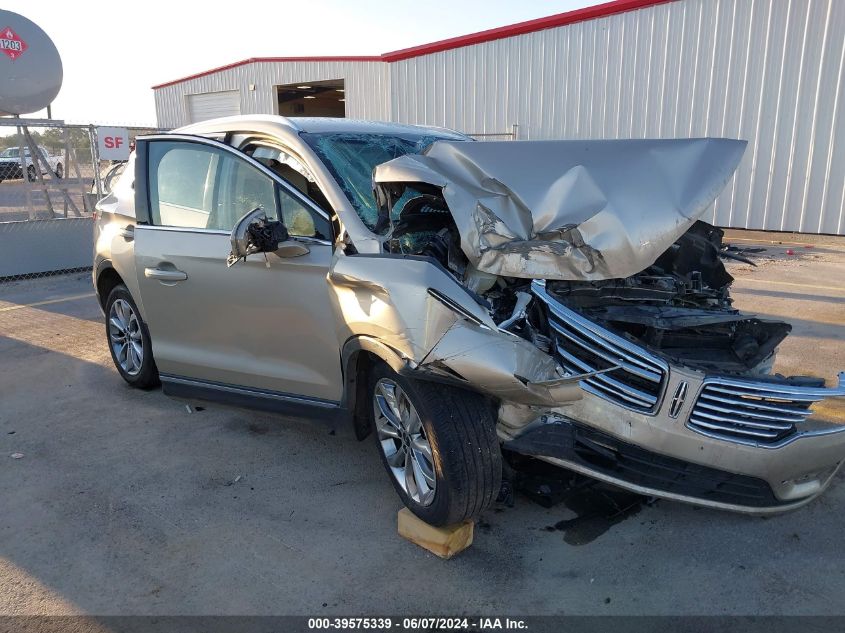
(555, 299)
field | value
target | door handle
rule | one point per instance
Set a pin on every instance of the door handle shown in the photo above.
(165, 275)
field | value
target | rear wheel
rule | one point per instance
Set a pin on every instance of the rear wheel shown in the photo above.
(129, 340)
(439, 446)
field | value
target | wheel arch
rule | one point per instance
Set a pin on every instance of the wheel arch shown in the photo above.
(358, 355)
(107, 279)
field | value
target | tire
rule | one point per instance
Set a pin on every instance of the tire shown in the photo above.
(126, 334)
(459, 428)
(30, 173)
(60, 171)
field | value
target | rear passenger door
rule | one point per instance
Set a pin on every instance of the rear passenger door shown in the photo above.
(262, 324)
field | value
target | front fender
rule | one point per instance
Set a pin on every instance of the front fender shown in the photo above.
(417, 318)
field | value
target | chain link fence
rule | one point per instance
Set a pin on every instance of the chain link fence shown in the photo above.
(51, 176)
(51, 170)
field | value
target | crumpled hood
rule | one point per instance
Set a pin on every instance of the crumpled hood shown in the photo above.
(576, 210)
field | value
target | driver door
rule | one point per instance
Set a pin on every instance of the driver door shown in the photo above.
(265, 323)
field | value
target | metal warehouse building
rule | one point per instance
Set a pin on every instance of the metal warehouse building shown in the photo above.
(769, 71)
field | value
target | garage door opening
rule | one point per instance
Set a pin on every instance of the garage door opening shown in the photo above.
(313, 98)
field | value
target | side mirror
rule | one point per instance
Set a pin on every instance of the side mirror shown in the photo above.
(255, 233)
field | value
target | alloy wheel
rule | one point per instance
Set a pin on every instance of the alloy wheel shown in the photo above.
(125, 337)
(403, 441)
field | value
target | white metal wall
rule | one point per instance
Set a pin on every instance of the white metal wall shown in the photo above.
(367, 92)
(769, 71)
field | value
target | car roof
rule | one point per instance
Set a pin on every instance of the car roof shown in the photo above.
(267, 122)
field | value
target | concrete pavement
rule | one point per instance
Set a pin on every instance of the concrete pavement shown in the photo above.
(126, 503)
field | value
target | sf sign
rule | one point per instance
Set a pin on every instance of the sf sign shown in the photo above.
(113, 143)
(11, 43)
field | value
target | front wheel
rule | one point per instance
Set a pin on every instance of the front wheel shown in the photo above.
(439, 446)
(129, 340)
(30, 173)
(60, 171)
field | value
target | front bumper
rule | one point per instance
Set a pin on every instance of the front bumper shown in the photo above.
(588, 451)
(756, 446)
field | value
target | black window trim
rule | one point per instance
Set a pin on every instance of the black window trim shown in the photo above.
(201, 140)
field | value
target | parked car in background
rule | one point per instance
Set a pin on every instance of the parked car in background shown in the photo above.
(556, 299)
(12, 168)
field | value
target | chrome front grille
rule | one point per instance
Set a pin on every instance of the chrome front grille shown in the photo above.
(751, 412)
(582, 346)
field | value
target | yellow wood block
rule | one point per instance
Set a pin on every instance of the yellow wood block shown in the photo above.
(445, 542)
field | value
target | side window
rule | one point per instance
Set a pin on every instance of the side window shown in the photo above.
(181, 184)
(242, 188)
(196, 186)
(302, 221)
(299, 218)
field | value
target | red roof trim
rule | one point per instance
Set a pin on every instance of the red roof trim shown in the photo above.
(254, 60)
(520, 28)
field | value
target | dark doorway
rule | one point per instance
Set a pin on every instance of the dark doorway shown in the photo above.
(313, 98)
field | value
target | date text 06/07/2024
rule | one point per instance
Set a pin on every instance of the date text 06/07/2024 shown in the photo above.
(418, 623)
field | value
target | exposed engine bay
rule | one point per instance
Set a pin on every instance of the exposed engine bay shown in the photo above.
(679, 307)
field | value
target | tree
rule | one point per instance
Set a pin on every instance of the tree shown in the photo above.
(52, 138)
(16, 140)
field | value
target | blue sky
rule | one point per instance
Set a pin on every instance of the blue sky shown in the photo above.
(113, 52)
